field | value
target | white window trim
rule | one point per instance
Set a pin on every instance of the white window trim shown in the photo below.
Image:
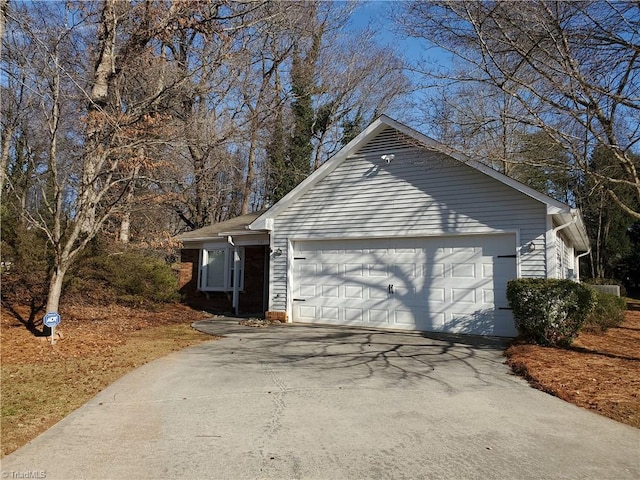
(228, 268)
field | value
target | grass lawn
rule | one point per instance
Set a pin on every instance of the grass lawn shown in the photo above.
(42, 383)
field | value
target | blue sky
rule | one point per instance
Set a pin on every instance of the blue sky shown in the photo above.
(377, 14)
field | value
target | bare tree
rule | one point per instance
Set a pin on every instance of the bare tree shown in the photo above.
(87, 59)
(355, 77)
(572, 68)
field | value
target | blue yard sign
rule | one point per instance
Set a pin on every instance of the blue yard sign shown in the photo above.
(50, 320)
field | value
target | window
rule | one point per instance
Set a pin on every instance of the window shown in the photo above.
(217, 269)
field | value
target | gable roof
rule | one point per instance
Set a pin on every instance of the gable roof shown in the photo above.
(562, 213)
(235, 225)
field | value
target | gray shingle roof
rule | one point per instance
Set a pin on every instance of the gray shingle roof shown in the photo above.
(212, 231)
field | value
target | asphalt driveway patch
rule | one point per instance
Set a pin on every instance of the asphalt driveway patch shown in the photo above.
(297, 401)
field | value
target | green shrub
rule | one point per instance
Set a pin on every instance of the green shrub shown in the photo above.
(548, 311)
(27, 261)
(131, 278)
(607, 312)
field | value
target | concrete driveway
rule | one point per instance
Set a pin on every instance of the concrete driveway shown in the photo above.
(328, 403)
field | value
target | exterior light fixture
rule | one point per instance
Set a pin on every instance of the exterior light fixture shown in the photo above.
(388, 158)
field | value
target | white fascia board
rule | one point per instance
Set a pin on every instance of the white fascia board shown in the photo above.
(241, 233)
(262, 222)
(199, 240)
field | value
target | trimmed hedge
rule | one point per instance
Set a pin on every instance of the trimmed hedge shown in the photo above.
(549, 311)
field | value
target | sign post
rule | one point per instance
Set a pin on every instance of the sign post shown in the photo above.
(50, 320)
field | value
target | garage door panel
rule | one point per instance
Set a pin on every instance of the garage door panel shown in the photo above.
(307, 312)
(405, 270)
(487, 270)
(379, 292)
(354, 315)
(480, 322)
(433, 270)
(330, 291)
(330, 269)
(378, 317)
(331, 314)
(404, 317)
(307, 291)
(354, 291)
(353, 270)
(463, 295)
(463, 270)
(488, 296)
(306, 270)
(446, 284)
(378, 270)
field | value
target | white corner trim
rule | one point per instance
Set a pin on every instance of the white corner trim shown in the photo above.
(290, 286)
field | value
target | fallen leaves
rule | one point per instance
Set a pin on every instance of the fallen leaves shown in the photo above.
(42, 383)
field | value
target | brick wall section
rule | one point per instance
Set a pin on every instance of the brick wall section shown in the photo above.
(188, 275)
(276, 316)
(251, 298)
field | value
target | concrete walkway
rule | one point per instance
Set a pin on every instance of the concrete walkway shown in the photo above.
(328, 403)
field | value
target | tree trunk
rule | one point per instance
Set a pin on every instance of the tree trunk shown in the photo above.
(55, 288)
(248, 185)
(55, 292)
(4, 157)
(125, 228)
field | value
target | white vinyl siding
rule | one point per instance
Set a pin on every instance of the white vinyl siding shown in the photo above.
(420, 193)
(565, 263)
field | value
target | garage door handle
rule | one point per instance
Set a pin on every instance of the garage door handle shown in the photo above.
(390, 289)
(299, 300)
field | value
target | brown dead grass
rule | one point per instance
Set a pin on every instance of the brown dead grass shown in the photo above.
(600, 372)
(42, 383)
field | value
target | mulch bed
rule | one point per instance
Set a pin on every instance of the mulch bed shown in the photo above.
(600, 372)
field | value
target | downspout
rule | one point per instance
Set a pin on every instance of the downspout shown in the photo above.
(577, 260)
(554, 233)
(235, 302)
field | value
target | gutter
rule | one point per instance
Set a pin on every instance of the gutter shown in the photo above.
(583, 254)
(565, 225)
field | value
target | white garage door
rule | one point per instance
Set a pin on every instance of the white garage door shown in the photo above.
(447, 284)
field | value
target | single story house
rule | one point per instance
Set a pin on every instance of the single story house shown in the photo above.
(395, 231)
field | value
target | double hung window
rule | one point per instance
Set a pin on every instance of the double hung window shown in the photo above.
(217, 271)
